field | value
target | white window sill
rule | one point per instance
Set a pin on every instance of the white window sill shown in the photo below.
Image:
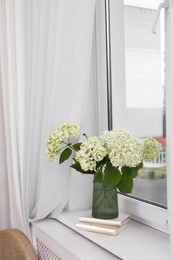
(136, 242)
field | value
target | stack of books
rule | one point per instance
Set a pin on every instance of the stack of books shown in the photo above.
(103, 226)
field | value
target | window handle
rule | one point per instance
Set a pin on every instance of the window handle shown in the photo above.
(161, 5)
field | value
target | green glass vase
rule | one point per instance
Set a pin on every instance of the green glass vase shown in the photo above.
(105, 201)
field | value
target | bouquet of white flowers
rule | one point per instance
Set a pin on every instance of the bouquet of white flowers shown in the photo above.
(114, 157)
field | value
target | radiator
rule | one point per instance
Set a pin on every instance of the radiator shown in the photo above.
(44, 253)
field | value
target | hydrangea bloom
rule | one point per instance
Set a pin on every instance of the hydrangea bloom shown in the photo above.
(53, 145)
(124, 149)
(56, 138)
(91, 151)
(69, 130)
(151, 149)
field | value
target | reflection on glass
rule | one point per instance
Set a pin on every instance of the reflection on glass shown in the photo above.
(145, 94)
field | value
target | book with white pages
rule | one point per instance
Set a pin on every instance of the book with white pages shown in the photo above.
(119, 221)
(101, 229)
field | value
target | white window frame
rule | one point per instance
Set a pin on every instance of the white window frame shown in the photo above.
(146, 213)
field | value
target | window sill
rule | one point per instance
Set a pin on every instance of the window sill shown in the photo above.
(136, 240)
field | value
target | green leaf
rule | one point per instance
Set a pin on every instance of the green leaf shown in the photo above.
(78, 168)
(98, 177)
(134, 173)
(102, 162)
(136, 169)
(139, 166)
(65, 155)
(126, 171)
(77, 146)
(112, 175)
(125, 185)
(131, 172)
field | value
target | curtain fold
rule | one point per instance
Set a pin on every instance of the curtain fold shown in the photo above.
(11, 172)
(45, 58)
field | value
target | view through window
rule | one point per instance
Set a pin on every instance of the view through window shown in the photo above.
(145, 92)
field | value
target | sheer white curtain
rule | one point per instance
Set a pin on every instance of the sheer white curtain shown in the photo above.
(45, 58)
(12, 209)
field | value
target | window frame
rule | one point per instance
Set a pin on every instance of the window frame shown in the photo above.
(149, 214)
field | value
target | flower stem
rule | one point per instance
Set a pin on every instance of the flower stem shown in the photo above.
(68, 145)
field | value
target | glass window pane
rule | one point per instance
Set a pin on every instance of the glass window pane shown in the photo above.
(145, 92)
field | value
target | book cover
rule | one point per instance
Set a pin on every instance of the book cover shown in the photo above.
(119, 221)
(101, 229)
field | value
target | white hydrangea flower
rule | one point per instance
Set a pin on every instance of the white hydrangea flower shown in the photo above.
(91, 152)
(85, 160)
(99, 152)
(53, 145)
(56, 138)
(123, 148)
(151, 149)
(69, 130)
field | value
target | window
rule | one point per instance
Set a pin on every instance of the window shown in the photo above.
(138, 99)
(145, 94)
